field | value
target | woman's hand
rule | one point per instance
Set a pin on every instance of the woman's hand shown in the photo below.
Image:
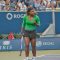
(35, 23)
(22, 30)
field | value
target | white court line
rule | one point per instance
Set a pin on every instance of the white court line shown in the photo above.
(37, 57)
(41, 56)
(52, 54)
(48, 55)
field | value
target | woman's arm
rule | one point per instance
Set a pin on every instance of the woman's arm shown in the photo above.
(37, 22)
(23, 25)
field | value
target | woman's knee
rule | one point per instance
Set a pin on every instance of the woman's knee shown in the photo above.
(27, 46)
(33, 47)
(33, 43)
(27, 41)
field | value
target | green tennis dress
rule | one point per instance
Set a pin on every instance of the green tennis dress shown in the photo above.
(29, 26)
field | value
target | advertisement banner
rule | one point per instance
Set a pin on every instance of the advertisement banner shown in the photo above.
(12, 21)
(7, 45)
(41, 44)
(57, 22)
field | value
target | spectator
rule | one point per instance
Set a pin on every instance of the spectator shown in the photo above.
(17, 8)
(53, 4)
(11, 36)
(47, 3)
(7, 8)
(39, 5)
(7, 2)
(19, 4)
(7, 5)
(13, 6)
(27, 5)
(42, 5)
(22, 6)
(29, 2)
(58, 3)
(2, 5)
(36, 4)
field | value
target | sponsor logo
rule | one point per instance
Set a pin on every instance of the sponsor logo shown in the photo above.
(48, 43)
(38, 43)
(11, 16)
(41, 43)
(6, 42)
(6, 45)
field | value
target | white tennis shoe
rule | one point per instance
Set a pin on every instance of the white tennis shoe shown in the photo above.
(33, 58)
(26, 58)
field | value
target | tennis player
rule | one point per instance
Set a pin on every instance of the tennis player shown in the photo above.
(30, 22)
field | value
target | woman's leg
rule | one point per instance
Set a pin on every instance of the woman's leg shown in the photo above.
(27, 41)
(33, 43)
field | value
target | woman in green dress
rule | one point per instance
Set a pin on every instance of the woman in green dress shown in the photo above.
(30, 22)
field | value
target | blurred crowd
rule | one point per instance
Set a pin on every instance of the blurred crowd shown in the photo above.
(22, 5)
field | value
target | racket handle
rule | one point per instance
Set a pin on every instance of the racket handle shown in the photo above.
(20, 52)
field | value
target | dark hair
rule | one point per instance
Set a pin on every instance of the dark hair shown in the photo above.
(29, 9)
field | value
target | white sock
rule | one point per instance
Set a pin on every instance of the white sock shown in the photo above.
(34, 56)
(26, 57)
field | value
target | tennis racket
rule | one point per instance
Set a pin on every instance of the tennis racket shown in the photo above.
(21, 46)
